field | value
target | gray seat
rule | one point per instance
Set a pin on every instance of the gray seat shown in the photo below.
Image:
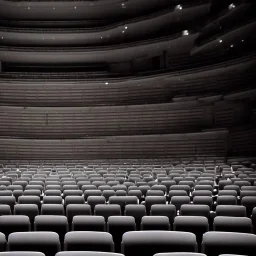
(88, 241)
(216, 243)
(155, 223)
(45, 242)
(88, 223)
(148, 243)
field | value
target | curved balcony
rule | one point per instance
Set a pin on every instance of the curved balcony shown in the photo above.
(234, 40)
(147, 146)
(165, 22)
(84, 122)
(231, 20)
(74, 91)
(123, 53)
(59, 123)
(80, 10)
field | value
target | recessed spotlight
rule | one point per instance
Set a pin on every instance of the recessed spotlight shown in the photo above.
(106, 83)
(220, 41)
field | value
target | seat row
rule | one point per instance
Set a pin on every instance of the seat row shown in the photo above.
(143, 243)
(87, 253)
(165, 215)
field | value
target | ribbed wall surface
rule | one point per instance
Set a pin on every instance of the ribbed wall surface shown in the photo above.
(242, 141)
(147, 146)
(127, 91)
(102, 121)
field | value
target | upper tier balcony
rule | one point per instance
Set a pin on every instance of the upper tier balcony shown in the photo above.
(82, 10)
(165, 22)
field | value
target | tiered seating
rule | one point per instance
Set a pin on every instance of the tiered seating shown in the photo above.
(68, 208)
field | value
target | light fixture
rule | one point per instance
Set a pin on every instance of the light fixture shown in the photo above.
(178, 7)
(231, 6)
(185, 33)
(126, 27)
(106, 83)
(220, 41)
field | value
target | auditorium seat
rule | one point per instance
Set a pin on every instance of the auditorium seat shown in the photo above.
(8, 200)
(17, 194)
(228, 193)
(24, 253)
(117, 226)
(30, 200)
(90, 192)
(52, 209)
(195, 210)
(148, 243)
(180, 254)
(107, 210)
(232, 224)
(137, 212)
(45, 242)
(14, 223)
(167, 210)
(57, 224)
(197, 225)
(30, 210)
(123, 201)
(52, 200)
(74, 200)
(88, 223)
(94, 200)
(136, 193)
(34, 192)
(151, 200)
(231, 210)
(155, 193)
(82, 253)
(155, 223)
(216, 243)
(178, 201)
(89, 241)
(72, 193)
(204, 200)
(77, 209)
(5, 193)
(249, 202)
(5, 209)
(181, 187)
